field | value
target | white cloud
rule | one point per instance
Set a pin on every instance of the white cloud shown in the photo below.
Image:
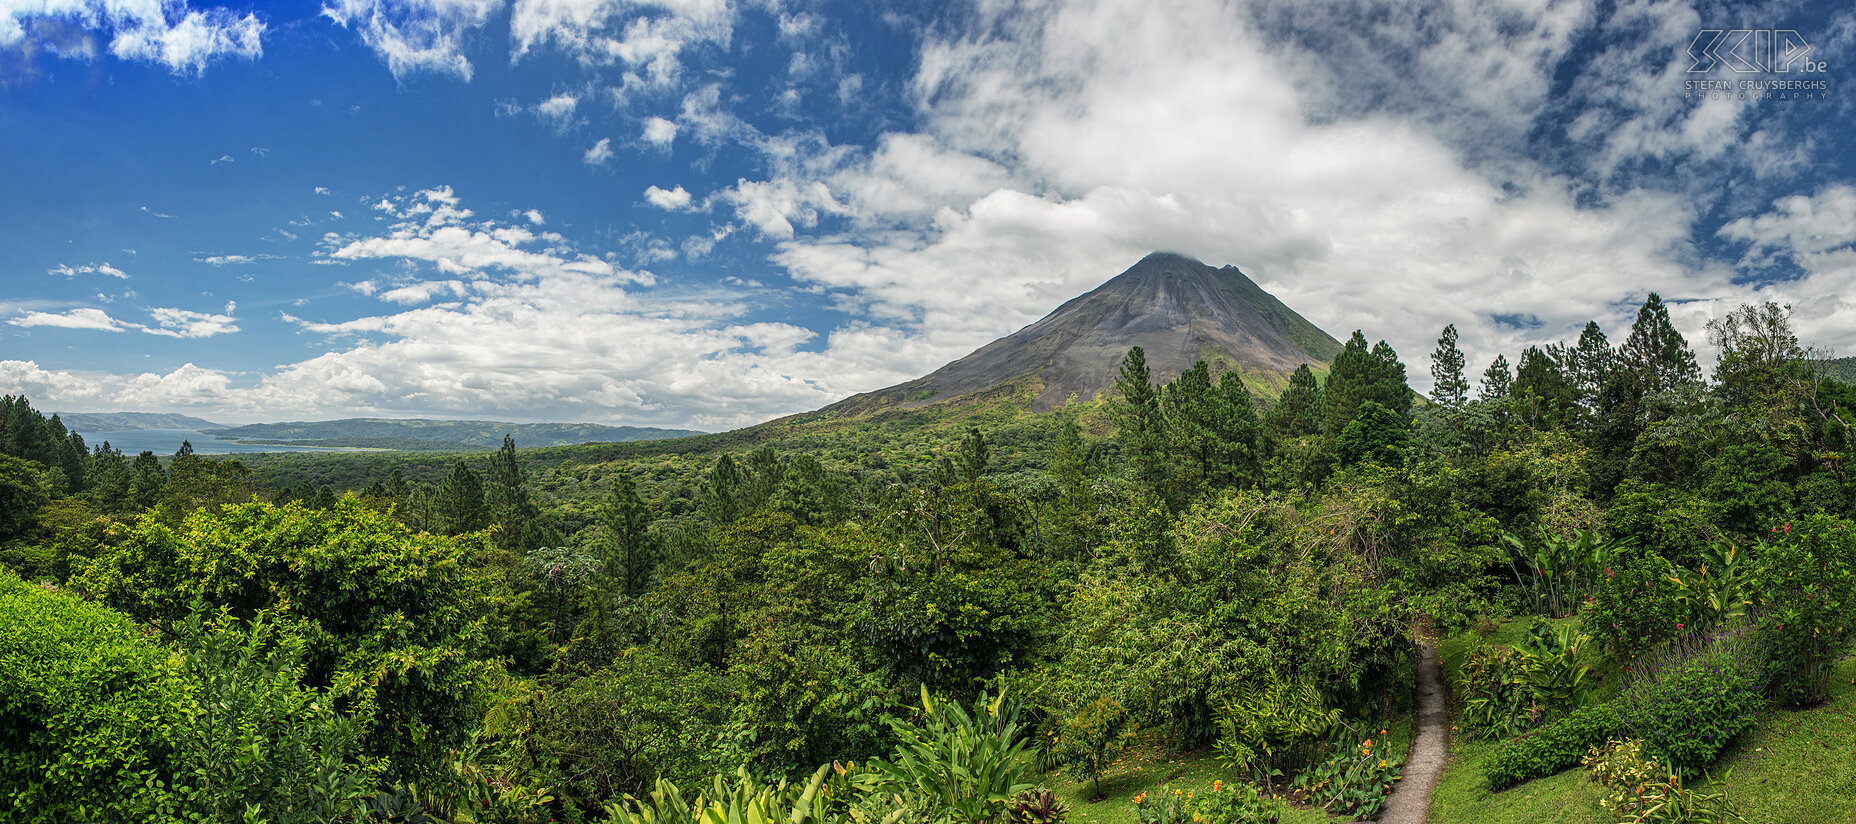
(534, 216)
(224, 158)
(223, 260)
(182, 323)
(68, 270)
(73, 319)
(660, 132)
(647, 37)
(774, 206)
(600, 153)
(675, 200)
(322, 190)
(416, 35)
(168, 32)
(558, 111)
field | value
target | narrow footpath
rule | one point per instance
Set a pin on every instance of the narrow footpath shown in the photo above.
(1410, 802)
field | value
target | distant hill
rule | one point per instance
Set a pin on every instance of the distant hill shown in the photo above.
(1178, 309)
(416, 434)
(86, 422)
(1842, 369)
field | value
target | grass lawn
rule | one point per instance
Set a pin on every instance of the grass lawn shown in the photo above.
(1799, 767)
(1146, 766)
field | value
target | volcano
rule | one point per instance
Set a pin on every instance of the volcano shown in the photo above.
(1177, 309)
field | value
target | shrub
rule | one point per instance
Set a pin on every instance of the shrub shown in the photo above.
(1237, 803)
(1690, 698)
(1552, 748)
(1640, 789)
(1639, 603)
(1355, 779)
(83, 697)
(1506, 691)
(1038, 806)
(1807, 604)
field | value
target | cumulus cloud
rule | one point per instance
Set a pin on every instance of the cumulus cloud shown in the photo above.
(223, 260)
(416, 35)
(599, 153)
(675, 200)
(167, 32)
(558, 111)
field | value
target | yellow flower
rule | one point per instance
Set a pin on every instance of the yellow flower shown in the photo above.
(1218, 785)
(1382, 762)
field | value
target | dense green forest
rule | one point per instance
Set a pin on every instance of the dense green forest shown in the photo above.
(938, 615)
(431, 435)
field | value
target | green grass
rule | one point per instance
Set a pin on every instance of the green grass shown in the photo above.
(1799, 767)
(1146, 767)
(1463, 797)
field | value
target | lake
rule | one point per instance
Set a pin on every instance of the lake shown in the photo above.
(165, 442)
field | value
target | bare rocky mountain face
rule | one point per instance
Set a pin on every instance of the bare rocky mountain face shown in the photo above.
(1179, 310)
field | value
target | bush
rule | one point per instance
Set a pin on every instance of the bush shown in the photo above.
(1688, 700)
(1639, 788)
(1639, 603)
(1552, 748)
(1807, 604)
(83, 699)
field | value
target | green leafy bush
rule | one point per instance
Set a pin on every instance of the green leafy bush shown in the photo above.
(1807, 604)
(957, 765)
(1038, 806)
(1553, 747)
(1355, 778)
(83, 698)
(1689, 699)
(1638, 604)
(1505, 691)
(1640, 789)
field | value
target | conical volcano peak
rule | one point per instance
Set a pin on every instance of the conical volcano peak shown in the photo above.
(1178, 309)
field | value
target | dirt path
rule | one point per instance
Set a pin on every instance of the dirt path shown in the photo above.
(1410, 802)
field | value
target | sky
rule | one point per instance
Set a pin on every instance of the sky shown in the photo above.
(710, 213)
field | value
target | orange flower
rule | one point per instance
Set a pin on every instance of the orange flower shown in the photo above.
(1218, 785)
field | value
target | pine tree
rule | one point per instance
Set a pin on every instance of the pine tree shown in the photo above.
(1348, 376)
(1448, 386)
(1657, 352)
(507, 500)
(1298, 410)
(1546, 394)
(1136, 411)
(631, 553)
(1591, 362)
(1496, 381)
(458, 503)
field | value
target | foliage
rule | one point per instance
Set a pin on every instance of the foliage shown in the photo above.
(1640, 602)
(84, 696)
(1272, 725)
(394, 622)
(1560, 572)
(1355, 779)
(1235, 803)
(1039, 806)
(1807, 603)
(1688, 699)
(958, 765)
(250, 741)
(1376, 435)
(1553, 747)
(1642, 791)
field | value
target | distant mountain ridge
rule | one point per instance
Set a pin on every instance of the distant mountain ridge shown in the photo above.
(436, 434)
(1177, 309)
(85, 422)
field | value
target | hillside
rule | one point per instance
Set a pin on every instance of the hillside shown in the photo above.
(130, 421)
(1178, 309)
(1842, 369)
(427, 435)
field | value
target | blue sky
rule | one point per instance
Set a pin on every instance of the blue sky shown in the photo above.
(708, 213)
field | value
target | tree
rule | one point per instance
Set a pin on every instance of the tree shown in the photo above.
(459, 501)
(1546, 395)
(1136, 411)
(1657, 352)
(1358, 375)
(1212, 431)
(630, 552)
(1298, 410)
(1760, 360)
(1376, 435)
(974, 454)
(1448, 386)
(507, 501)
(1496, 381)
(1590, 362)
